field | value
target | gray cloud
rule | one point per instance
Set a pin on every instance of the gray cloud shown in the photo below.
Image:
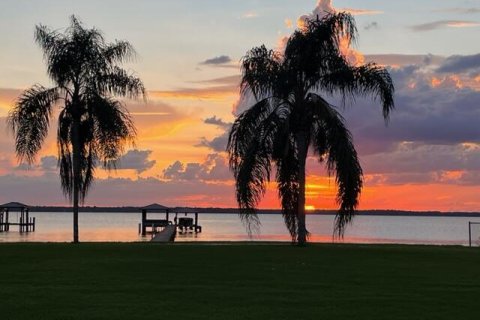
(404, 59)
(46, 164)
(425, 114)
(45, 190)
(218, 143)
(371, 25)
(423, 158)
(136, 160)
(444, 23)
(49, 163)
(217, 121)
(460, 10)
(228, 80)
(133, 159)
(214, 168)
(458, 64)
(465, 178)
(223, 59)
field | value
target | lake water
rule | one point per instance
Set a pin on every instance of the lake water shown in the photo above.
(123, 227)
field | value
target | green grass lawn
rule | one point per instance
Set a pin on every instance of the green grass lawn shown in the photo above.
(240, 281)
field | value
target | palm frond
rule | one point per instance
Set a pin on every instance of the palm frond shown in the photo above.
(334, 28)
(118, 82)
(342, 160)
(64, 132)
(88, 165)
(261, 68)
(29, 120)
(309, 51)
(48, 40)
(250, 147)
(119, 52)
(288, 186)
(369, 79)
(244, 129)
(112, 128)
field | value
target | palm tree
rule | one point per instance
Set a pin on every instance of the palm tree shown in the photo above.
(290, 116)
(93, 126)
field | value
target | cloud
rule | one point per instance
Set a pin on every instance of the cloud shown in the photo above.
(458, 64)
(460, 10)
(202, 93)
(228, 80)
(7, 99)
(288, 23)
(136, 160)
(325, 7)
(250, 15)
(416, 157)
(322, 8)
(371, 25)
(432, 137)
(444, 23)
(45, 190)
(49, 163)
(223, 59)
(360, 12)
(214, 168)
(399, 60)
(217, 144)
(217, 121)
(442, 114)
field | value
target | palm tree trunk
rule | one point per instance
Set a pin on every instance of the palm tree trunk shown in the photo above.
(302, 158)
(76, 175)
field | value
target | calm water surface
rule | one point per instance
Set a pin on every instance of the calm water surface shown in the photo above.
(57, 227)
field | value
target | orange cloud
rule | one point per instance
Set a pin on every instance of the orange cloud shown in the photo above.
(462, 24)
(209, 93)
(353, 56)
(250, 15)
(441, 197)
(444, 23)
(360, 12)
(7, 99)
(455, 81)
(288, 23)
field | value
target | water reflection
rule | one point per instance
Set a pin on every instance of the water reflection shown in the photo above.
(123, 227)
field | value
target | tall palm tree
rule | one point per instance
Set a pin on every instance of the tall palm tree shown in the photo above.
(92, 125)
(290, 116)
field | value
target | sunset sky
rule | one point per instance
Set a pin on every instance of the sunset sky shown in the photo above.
(427, 158)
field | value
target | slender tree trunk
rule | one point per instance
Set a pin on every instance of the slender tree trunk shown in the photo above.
(76, 175)
(302, 157)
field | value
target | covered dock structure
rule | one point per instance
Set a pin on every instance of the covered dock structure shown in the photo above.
(24, 222)
(163, 229)
(154, 224)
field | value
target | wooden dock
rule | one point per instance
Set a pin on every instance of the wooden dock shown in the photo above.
(166, 235)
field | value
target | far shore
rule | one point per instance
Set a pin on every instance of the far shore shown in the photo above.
(133, 209)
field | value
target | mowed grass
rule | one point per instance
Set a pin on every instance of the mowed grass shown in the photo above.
(238, 281)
